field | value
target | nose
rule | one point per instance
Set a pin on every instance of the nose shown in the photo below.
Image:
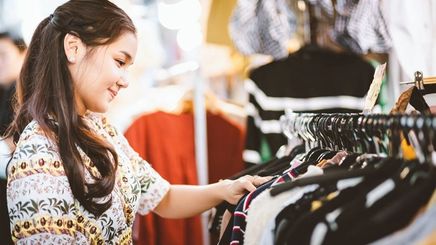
(123, 81)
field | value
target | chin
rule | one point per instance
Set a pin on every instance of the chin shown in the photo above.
(99, 109)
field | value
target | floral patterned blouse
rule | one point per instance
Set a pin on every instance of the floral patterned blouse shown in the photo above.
(42, 208)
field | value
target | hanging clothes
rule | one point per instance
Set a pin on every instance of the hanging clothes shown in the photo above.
(360, 196)
(312, 79)
(225, 143)
(262, 27)
(412, 29)
(424, 225)
(167, 141)
(367, 27)
(358, 26)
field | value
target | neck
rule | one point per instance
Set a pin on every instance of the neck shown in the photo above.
(80, 106)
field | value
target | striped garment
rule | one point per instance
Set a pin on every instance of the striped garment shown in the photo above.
(309, 80)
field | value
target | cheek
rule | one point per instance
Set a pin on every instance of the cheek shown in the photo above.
(5, 63)
(110, 74)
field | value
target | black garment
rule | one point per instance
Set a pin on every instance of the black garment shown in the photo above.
(226, 238)
(5, 232)
(273, 167)
(418, 102)
(392, 212)
(298, 231)
(287, 217)
(296, 228)
(350, 217)
(6, 116)
(311, 73)
(6, 111)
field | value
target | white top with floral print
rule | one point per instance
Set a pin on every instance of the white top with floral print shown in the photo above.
(42, 208)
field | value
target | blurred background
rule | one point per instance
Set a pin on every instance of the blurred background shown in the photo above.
(212, 77)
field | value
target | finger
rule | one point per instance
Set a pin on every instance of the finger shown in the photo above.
(257, 180)
(248, 185)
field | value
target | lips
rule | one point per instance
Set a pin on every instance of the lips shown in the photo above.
(113, 93)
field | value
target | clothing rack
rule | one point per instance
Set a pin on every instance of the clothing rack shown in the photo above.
(420, 80)
(348, 158)
(374, 133)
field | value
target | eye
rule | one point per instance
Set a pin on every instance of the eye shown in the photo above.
(120, 62)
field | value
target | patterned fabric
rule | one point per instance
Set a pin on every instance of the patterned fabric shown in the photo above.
(368, 27)
(42, 208)
(358, 26)
(262, 27)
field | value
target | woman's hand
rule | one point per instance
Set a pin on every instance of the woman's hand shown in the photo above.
(235, 189)
(183, 201)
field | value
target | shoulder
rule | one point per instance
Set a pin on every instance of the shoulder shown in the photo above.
(100, 121)
(37, 186)
(35, 153)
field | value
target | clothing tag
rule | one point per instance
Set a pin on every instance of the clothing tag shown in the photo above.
(374, 89)
(379, 192)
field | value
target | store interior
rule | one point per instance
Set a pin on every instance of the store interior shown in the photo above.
(220, 87)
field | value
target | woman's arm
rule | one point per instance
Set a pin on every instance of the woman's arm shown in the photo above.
(182, 201)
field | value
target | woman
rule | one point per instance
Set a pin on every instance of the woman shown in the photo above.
(12, 52)
(73, 178)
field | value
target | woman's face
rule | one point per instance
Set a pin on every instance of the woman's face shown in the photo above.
(99, 75)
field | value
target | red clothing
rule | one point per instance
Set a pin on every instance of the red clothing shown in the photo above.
(225, 143)
(166, 141)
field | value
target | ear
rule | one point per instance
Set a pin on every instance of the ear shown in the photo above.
(74, 48)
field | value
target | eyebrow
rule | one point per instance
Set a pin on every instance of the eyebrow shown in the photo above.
(128, 56)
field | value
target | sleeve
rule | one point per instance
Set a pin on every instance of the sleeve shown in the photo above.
(39, 198)
(251, 153)
(153, 186)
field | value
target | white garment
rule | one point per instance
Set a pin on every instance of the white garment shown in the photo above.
(265, 234)
(263, 210)
(4, 158)
(412, 27)
(311, 171)
(368, 28)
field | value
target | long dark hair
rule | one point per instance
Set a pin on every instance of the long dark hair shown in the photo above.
(45, 91)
